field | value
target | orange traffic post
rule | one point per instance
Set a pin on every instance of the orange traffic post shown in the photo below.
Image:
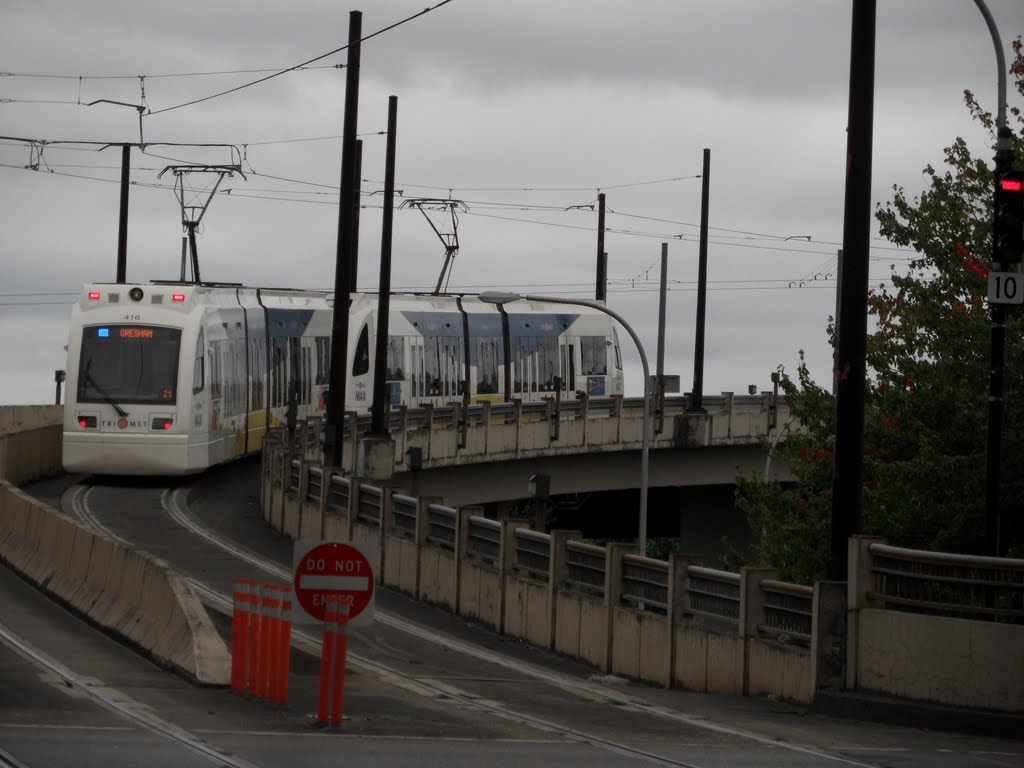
(266, 621)
(259, 649)
(274, 641)
(340, 659)
(253, 644)
(284, 646)
(239, 633)
(326, 657)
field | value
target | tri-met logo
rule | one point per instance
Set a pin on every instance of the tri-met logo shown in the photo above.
(123, 423)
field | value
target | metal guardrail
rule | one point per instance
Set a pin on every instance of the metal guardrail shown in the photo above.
(371, 505)
(714, 593)
(585, 566)
(788, 611)
(441, 526)
(645, 583)
(533, 553)
(314, 486)
(945, 584)
(338, 492)
(484, 539)
(403, 513)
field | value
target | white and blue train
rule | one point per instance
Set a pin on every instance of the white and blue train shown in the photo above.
(173, 378)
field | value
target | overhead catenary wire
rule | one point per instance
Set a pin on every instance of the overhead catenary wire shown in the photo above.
(252, 83)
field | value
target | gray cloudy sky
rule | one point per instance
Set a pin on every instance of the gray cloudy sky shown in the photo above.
(522, 110)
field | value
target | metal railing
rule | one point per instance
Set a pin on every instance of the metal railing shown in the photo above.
(403, 514)
(645, 583)
(371, 504)
(788, 611)
(713, 593)
(944, 584)
(441, 526)
(484, 539)
(339, 489)
(585, 566)
(533, 553)
(314, 485)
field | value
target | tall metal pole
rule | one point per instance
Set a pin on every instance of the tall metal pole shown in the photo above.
(851, 359)
(122, 224)
(378, 427)
(660, 365)
(357, 181)
(997, 348)
(333, 443)
(601, 291)
(697, 395)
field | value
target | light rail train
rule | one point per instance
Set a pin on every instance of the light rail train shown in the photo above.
(172, 378)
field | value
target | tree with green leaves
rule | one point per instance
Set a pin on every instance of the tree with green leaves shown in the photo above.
(927, 390)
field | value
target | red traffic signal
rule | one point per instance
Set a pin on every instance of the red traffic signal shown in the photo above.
(1008, 226)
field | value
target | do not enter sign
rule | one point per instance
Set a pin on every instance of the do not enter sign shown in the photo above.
(326, 569)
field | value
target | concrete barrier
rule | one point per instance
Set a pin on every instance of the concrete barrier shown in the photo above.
(137, 597)
(30, 441)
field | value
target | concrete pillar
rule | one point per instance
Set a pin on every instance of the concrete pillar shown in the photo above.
(858, 583)
(828, 635)
(557, 567)
(751, 613)
(613, 591)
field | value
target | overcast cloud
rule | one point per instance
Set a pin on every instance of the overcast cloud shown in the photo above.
(521, 109)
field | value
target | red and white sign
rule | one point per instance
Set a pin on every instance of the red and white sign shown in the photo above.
(333, 568)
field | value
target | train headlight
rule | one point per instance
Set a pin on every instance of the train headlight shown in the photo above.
(87, 422)
(162, 422)
(135, 294)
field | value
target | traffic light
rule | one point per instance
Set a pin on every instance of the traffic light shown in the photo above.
(1008, 227)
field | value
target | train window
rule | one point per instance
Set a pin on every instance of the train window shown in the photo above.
(547, 362)
(486, 365)
(361, 358)
(395, 363)
(432, 366)
(129, 364)
(594, 356)
(198, 369)
(323, 359)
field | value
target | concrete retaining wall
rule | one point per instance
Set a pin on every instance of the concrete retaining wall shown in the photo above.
(30, 442)
(131, 594)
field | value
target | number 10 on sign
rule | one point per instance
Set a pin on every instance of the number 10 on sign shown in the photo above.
(1006, 288)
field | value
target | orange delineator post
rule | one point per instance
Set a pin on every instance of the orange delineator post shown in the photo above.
(257, 652)
(239, 633)
(267, 625)
(326, 657)
(284, 646)
(340, 660)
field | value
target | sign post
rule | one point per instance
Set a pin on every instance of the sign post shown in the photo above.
(333, 569)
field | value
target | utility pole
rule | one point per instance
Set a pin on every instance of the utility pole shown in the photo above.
(1000, 260)
(697, 395)
(122, 223)
(378, 426)
(851, 359)
(333, 443)
(601, 291)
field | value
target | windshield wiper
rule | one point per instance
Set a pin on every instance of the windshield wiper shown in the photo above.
(106, 395)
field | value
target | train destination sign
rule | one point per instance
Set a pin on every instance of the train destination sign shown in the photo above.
(333, 568)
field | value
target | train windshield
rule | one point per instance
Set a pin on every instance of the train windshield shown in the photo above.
(129, 364)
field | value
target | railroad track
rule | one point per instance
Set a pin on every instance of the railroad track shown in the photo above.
(173, 501)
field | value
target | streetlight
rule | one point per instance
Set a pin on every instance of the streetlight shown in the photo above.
(502, 297)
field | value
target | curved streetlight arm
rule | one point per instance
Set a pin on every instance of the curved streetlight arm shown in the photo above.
(501, 297)
(1000, 63)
